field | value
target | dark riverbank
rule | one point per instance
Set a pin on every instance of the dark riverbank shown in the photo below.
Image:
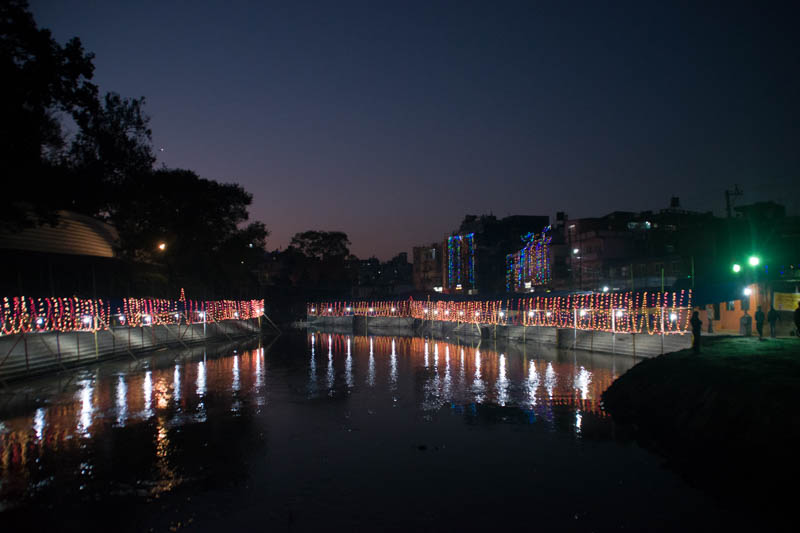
(726, 419)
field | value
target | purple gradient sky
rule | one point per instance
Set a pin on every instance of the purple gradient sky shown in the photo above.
(391, 120)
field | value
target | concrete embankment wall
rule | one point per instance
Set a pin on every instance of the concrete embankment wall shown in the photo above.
(32, 354)
(640, 345)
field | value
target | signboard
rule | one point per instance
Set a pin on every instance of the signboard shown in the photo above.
(786, 301)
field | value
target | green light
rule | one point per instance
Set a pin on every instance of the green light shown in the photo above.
(754, 260)
(736, 267)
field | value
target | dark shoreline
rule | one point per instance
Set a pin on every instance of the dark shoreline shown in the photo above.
(725, 419)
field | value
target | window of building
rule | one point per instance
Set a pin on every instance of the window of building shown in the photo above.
(730, 306)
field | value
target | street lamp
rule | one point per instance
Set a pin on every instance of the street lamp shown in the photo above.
(747, 291)
(754, 260)
(737, 267)
(162, 246)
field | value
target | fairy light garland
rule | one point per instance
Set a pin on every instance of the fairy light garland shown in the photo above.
(461, 261)
(21, 314)
(626, 312)
(531, 264)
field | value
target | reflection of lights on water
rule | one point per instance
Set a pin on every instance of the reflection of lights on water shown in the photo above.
(426, 354)
(436, 355)
(550, 379)
(477, 384)
(330, 365)
(236, 383)
(533, 382)
(371, 368)
(447, 378)
(582, 380)
(38, 423)
(148, 393)
(393, 365)
(201, 379)
(162, 394)
(176, 384)
(260, 367)
(502, 382)
(578, 421)
(122, 401)
(348, 366)
(86, 408)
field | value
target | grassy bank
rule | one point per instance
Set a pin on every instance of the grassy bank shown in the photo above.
(727, 419)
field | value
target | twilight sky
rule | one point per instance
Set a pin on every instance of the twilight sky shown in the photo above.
(391, 120)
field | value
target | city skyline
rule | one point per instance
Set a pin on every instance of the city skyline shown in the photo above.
(391, 123)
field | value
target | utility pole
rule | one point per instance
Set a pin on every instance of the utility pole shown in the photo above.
(730, 196)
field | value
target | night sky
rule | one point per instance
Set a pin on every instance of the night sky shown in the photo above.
(390, 122)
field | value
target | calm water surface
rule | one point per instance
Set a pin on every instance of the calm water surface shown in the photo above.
(334, 431)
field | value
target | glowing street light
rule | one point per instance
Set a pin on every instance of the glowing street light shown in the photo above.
(575, 251)
(747, 291)
(583, 312)
(605, 288)
(530, 313)
(673, 317)
(753, 260)
(162, 246)
(737, 267)
(501, 314)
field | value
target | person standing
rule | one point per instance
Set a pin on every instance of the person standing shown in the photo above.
(697, 329)
(710, 315)
(760, 323)
(772, 318)
(797, 320)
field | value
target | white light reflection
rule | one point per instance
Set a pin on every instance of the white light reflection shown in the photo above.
(550, 380)
(122, 401)
(447, 388)
(502, 382)
(85, 420)
(348, 366)
(330, 365)
(38, 423)
(393, 366)
(176, 384)
(371, 368)
(578, 421)
(582, 380)
(201, 388)
(147, 390)
(477, 383)
(201, 379)
(312, 367)
(260, 368)
(236, 384)
(533, 383)
(426, 355)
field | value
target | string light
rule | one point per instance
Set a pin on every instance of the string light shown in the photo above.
(530, 266)
(644, 312)
(22, 314)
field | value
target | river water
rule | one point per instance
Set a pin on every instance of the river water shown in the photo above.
(314, 431)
